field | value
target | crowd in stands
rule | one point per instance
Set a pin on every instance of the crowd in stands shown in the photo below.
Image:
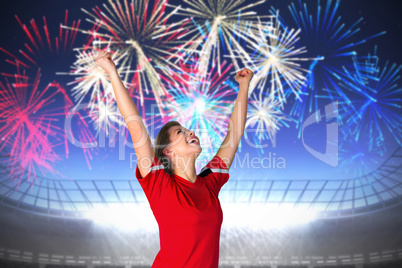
(20, 264)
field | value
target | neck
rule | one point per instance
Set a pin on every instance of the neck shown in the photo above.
(185, 168)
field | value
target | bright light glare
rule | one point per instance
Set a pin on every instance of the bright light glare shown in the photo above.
(265, 216)
(200, 106)
(139, 217)
(126, 217)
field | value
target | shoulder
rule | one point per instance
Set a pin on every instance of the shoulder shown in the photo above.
(156, 170)
(215, 165)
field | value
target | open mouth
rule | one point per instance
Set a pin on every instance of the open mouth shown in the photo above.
(194, 140)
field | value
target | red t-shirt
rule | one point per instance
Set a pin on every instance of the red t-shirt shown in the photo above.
(189, 215)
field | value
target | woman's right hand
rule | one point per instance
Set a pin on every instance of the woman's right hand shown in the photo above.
(104, 60)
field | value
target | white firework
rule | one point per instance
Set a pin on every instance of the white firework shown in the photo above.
(106, 116)
(144, 35)
(276, 60)
(91, 80)
(217, 24)
(92, 88)
(264, 117)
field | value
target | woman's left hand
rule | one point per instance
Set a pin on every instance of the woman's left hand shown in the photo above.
(244, 76)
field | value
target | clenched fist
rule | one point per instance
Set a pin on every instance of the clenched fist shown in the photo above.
(244, 76)
(104, 60)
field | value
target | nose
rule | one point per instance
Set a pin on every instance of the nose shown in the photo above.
(191, 133)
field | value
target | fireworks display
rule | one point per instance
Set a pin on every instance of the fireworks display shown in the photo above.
(142, 34)
(92, 87)
(217, 27)
(356, 158)
(199, 102)
(333, 44)
(265, 118)
(276, 60)
(61, 45)
(178, 61)
(42, 48)
(376, 102)
(28, 125)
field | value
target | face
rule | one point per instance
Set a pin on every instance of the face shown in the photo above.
(183, 142)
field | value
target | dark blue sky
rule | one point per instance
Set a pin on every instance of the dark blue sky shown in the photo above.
(378, 16)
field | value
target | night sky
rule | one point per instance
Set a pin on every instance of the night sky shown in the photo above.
(378, 16)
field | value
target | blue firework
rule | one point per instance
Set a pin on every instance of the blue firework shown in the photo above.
(356, 158)
(333, 44)
(376, 102)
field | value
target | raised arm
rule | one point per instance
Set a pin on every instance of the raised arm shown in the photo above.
(139, 134)
(237, 121)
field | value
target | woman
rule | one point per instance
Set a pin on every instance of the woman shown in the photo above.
(185, 205)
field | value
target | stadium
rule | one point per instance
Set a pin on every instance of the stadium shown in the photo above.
(298, 195)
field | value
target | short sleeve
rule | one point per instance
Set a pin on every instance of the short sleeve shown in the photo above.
(152, 183)
(216, 173)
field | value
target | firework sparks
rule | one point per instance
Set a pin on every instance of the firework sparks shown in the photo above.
(106, 116)
(85, 135)
(334, 43)
(28, 128)
(326, 36)
(275, 59)
(92, 80)
(41, 50)
(265, 117)
(218, 25)
(93, 85)
(376, 101)
(197, 103)
(356, 158)
(141, 34)
(45, 52)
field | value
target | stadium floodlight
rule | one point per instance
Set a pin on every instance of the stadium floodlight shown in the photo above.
(266, 216)
(124, 217)
(139, 217)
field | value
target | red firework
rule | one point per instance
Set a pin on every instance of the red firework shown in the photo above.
(32, 126)
(28, 125)
(41, 45)
(85, 136)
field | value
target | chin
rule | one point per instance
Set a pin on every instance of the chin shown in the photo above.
(198, 154)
